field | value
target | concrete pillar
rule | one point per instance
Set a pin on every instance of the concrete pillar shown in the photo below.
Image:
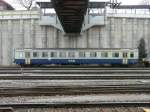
(6, 42)
(33, 33)
(111, 35)
(61, 40)
(106, 34)
(148, 34)
(27, 34)
(145, 28)
(94, 37)
(21, 31)
(117, 34)
(82, 40)
(38, 36)
(100, 38)
(10, 37)
(57, 38)
(44, 36)
(87, 40)
(128, 31)
(1, 43)
(123, 41)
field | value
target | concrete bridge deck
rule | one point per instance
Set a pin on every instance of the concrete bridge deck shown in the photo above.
(71, 14)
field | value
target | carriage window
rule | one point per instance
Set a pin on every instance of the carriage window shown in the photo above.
(115, 54)
(132, 55)
(19, 54)
(93, 54)
(71, 54)
(62, 54)
(35, 54)
(104, 54)
(44, 54)
(53, 54)
(81, 54)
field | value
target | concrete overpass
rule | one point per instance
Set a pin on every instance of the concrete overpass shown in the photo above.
(71, 14)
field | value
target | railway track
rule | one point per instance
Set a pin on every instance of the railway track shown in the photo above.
(71, 105)
(72, 71)
(72, 77)
(71, 88)
(137, 75)
(70, 67)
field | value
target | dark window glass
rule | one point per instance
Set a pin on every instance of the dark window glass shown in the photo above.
(115, 55)
(132, 55)
(104, 54)
(53, 54)
(71, 54)
(62, 54)
(35, 54)
(44, 54)
(93, 54)
(81, 54)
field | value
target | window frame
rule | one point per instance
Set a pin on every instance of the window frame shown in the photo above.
(55, 54)
(82, 54)
(18, 56)
(132, 53)
(62, 54)
(106, 54)
(38, 54)
(114, 55)
(93, 54)
(73, 54)
(43, 55)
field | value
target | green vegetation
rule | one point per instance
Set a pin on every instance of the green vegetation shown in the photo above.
(142, 49)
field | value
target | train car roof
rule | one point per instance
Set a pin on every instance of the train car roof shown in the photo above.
(76, 49)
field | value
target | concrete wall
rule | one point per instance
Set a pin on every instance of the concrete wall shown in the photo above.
(21, 29)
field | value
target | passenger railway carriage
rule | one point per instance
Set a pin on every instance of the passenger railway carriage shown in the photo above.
(75, 56)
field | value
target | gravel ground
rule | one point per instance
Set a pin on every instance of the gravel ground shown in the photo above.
(98, 109)
(78, 98)
(36, 83)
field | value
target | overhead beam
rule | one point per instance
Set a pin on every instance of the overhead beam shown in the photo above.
(90, 4)
(71, 13)
(99, 5)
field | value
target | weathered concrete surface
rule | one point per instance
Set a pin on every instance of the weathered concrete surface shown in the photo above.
(24, 29)
(83, 109)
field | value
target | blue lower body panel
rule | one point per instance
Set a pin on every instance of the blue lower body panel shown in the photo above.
(75, 61)
(19, 61)
(133, 61)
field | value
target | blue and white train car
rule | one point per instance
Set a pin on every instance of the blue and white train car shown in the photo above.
(41, 56)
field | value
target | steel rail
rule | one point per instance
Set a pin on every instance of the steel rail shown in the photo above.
(137, 71)
(76, 67)
(59, 77)
(73, 90)
(68, 105)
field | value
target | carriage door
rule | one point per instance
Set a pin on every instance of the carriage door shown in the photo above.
(27, 57)
(125, 58)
